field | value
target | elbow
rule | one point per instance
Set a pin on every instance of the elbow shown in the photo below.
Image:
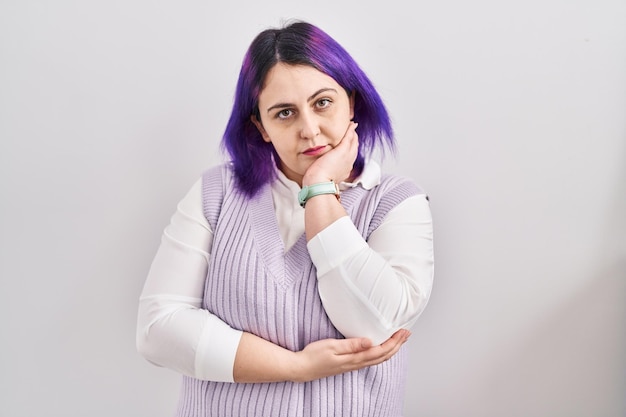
(147, 348)
(413, 297)
(152, 330)
(145, 339)
(413, 309)
(143, 344)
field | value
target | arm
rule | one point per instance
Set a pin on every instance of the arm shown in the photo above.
(174, 331)
(322, 210)
(374, 288)
(258, 360)
(369, 289)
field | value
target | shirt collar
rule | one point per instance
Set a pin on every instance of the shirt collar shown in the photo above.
(369, 178)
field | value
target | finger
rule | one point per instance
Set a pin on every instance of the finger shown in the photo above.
(349, 134)
(354, 143)
(396, 340)
(402, 334)
(352, 132)
(385, 350)
(349, 144)
(352, 345)
(351, 128)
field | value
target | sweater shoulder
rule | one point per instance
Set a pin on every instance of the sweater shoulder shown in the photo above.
(215, 181)
(399, 183)
(368, 208)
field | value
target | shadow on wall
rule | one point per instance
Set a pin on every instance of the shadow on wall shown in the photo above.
(574, 362)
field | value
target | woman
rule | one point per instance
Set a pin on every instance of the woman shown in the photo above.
(288, 277)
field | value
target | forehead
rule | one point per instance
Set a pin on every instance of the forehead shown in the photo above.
(292, 82)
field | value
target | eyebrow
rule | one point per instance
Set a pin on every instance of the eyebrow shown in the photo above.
(283, 105)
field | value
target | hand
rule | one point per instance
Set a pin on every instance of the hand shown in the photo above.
(329, 357)
(337, 163)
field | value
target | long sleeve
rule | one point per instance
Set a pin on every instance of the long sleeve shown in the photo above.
(172, 329)
(371, 289)
(368, 288)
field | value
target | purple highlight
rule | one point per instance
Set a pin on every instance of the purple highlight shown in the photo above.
(299, 43)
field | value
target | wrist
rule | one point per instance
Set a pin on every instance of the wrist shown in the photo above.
(293, 369)
(314, 179)
(321, 188)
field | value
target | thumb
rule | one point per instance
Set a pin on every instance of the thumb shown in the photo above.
(356, 345)
(365, 343)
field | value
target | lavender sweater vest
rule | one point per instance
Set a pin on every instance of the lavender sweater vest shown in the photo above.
(254, 286)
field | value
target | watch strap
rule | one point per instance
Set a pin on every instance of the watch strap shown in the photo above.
(309, 191)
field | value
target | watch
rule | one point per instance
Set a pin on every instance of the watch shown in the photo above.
(312, 190)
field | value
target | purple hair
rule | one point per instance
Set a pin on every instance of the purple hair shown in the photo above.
(299, 43)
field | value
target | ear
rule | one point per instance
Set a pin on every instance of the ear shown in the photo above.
(352, 96)
(259, 126)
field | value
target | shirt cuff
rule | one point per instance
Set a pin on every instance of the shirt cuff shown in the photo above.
(333, 245)
(215, 356)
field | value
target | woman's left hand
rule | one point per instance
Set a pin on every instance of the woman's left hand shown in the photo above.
(337, 163)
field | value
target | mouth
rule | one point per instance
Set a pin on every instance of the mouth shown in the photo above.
(316, 150)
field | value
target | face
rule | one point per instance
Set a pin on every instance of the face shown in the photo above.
(304, 114)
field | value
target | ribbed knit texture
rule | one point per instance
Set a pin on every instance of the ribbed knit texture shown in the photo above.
(253, 285)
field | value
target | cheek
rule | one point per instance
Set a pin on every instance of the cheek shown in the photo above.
(283, 142)
(336, 137)
(272, 134)
(338, 129)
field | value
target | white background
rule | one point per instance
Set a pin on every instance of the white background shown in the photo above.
(510, 114)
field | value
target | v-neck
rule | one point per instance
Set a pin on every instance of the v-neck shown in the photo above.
(284, 267)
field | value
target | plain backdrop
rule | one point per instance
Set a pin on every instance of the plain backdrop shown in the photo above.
(512, 115)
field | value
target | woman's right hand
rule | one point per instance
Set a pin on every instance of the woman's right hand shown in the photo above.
(258, 360)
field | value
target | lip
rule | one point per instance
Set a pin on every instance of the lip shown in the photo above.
(314, 151)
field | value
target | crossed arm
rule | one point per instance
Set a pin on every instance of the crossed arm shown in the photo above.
(174, 331)
(258, 360)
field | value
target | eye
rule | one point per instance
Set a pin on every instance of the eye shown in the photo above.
(323, 103)
(284, 114)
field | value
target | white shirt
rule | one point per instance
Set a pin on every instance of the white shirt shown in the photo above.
(384, 283)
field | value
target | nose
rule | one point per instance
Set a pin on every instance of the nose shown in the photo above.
(309, 125)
